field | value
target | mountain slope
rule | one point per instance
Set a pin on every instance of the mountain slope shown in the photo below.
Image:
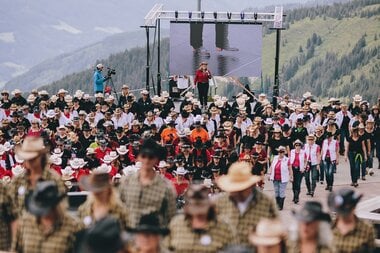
(62, 65)
(324, 35)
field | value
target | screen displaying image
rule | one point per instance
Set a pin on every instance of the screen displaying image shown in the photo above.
(229, 49)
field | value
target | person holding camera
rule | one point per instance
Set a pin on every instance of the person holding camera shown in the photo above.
(99, 79)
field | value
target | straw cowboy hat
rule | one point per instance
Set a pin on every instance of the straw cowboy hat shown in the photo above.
(165, 94)
(130, 170)
(99, 95)
(227, 125)
(56, 160)
(104, 168)
(162, 164)
(113, 155)
(51, 114)
(31, 98)
(58, 152)
(18, 160)
(96, 182)
(239, 178)
(31, 148)
(90, 151)
(268, 232)
(197, 200)
(76, 163)
(122, 150)
(43, 93)
(214, 110)
(357, 98)
(144, 92)
(16, 91)
(311, 137)
(17, 170)
(219, 103)
(107, 159)
(62, 91)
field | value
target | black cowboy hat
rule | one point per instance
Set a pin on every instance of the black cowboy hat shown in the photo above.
(343, 201)
(149, 224)
(103, 236)
(151, 148)
(312, 211)
(43, 198)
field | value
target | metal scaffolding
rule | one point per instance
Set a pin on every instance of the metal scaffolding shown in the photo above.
(157, 13)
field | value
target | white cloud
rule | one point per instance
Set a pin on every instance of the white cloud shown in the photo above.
(17, 68)
(108, 29)
(8, 37)
(62, 26)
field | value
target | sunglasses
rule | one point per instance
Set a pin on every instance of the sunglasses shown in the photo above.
(145, 156)
(281, 151)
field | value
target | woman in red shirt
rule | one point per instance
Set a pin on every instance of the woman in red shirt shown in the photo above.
(202, 76)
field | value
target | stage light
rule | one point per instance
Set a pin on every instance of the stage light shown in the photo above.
(176, 14)
(202, 14)
(255, 16)
(229, 15)
(215, 15)
(190, 14)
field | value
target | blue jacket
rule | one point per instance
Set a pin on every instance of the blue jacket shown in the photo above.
(98, 81)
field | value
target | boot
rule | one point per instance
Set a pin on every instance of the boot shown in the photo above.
(282, 200)
(296, 197)
(278, 202)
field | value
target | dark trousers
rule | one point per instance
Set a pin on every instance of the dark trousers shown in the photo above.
(321, 172)
(329, 169)
(203, 92)
(355, 164)
(311, 178)
(297, 180)
(343, 136)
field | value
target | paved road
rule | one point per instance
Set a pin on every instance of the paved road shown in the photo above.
(370, 188)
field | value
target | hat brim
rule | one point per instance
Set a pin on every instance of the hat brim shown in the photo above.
(39, 210)
(85, 184)
(146, 229)
(309, 218)
(226, 184)
(264, 241)
(28, 155)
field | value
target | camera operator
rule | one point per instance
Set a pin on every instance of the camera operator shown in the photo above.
(99, 79)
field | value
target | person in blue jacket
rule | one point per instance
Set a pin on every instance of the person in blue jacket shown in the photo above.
(99, 79)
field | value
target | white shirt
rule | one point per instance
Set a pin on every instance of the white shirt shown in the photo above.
(243, 206)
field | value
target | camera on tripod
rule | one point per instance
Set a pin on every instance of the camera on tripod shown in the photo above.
(111, 72)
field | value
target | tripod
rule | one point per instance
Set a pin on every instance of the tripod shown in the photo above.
(113, 89)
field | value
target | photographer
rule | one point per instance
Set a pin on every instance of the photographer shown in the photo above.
(99, 79)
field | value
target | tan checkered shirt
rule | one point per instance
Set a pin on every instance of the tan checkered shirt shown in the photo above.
(261, 206)
(294, 247)
(20, 186)
(158, 197)
(183, 239)
(117, 211)
(359, 240)
(31, 239)
(5, 218)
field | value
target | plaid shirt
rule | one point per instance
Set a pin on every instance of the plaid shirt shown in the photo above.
(157, 197)
(20, 187)
(31, 239)
(117, 211)
(360, 240)
(5, 218)
(183, 239)
(261, 206)
(294, 247)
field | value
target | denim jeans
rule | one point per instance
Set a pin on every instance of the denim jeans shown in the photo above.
(279, 188)
(297, 180)
(321, 172)
(363, 168)
(312, 174)
(370, 158)
(343, 136)
(355, 164)
(329, 169)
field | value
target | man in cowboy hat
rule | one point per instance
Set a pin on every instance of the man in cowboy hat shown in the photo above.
(18, 99)
(34, 154)
(350, 233)
(5, 218)
(244, 205)
(148, 233)
(140, 189)
(144, 104)
(46, 227)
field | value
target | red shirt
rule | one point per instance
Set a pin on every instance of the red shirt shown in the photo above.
(202, 77)
(99, 153)
(180, 187)
(296, 162)
(277, 171)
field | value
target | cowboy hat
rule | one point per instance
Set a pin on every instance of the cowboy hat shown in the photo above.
(104, 168)
(149, 224)
(180, 171)
(51, 114)
(31, 148)
(307, 94)
(343, 201)
(56, 160)
(227, 125)
(113, 155)
(44, 198)
(107, 159)
(165, 94)
(90, 151)
(67, 173)
(31, 98)
(60, 91)
(96, 182)
(122, 150)
(16, 91)
(268, 232)
(197, 200)
(144, 92)
(357, 98)
(311, 137)
(214, 110)
(238, 178)
(99, 95)
(77, 163)
(311, 211)
(162, 164)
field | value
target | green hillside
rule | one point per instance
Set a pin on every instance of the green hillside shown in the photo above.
(329, 50)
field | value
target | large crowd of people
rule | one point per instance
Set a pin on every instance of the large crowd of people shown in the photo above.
(181, 177)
